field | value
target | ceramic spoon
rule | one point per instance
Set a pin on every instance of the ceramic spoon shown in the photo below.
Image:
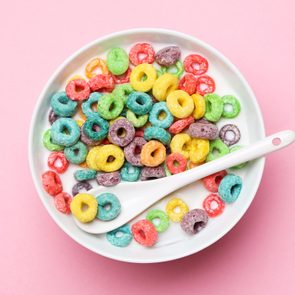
(136, 197)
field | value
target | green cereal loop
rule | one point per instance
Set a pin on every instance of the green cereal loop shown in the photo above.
(85, 174)
(234, 103)
(176, 70)
(242, 165)
(157, 133)
(117, 61)
(76, 154)
(219, 146)
(123, 91)
(110, 107)
(214, 107)
(159, 214)
(48, 143)
(137, 121)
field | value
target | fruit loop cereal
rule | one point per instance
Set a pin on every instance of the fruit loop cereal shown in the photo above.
(140, 115)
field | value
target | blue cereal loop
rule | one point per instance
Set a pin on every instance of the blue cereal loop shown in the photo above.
(85, 174)
(154, 118)
(65, 131)
(120, 237)
(139, 103)
(62, 106)
(104, 200)
(96, 121)
(230, 188)
(157, 133)
(87, 105)
(76, 154)
(129, 172)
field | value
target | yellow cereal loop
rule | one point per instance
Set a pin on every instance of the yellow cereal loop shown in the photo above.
(165, 84)
(75, 77)
(143, 77)
(80, 122)
(199, 149)
(180, 143)
(200, 106)
(95, 64)
(111, 158)
(180, 104)
(91, 159)
(176, 216)
(84, 207)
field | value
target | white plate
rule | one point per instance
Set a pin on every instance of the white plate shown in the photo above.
(173, 243)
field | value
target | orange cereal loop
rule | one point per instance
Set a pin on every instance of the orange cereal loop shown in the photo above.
(91, 69)
(83, 165)
(75, 77)
(192, 165)
(153, 153)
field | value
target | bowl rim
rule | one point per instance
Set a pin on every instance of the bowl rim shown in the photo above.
(260, 162)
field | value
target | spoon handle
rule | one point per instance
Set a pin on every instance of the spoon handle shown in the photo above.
(258, 149)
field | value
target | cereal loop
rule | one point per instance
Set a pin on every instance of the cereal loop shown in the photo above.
(211, 182)
(180, 143)
(153, 153)
(180, 104)
(51, 183)
(205, 85)
(137, 80)
(78, 90)
(213, 205)
(142, 53)
(176, 163)
(58, 162)
(94, 65)
(164, 85)
(172, 213)
(199, 149)
(200, 106)
(84, 207)
(144, 233)
(195, 64)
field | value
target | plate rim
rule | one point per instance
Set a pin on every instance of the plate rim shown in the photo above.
(36, 181)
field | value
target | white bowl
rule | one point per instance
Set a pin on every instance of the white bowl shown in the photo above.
(173, 243)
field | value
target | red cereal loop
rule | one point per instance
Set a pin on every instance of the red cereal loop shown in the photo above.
(213, 205)
(212, 181)
(58, 162)
(144, 232)
(195, 64)
(205, 84)
(176, 163)
(62, 202)
(142, 53)
(105, 141)
(51, 183)
(139, 133)
(181, 124)
(78, 89)
(124, 78)
(102, 83)
(188, 83)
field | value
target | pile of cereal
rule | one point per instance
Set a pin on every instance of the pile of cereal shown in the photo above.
(144, 116)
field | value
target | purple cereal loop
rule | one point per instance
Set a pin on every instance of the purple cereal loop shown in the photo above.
(118, 125)
(149, 173)
(224, 134)
(52, 117)
(194, 221)
(108, 179)
(87, 140)
(81, 186)
(132, 151)
(203, 130)
(168, 56)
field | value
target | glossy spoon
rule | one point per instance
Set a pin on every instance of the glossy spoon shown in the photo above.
(136, 197)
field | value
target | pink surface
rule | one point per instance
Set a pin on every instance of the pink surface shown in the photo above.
(256, 257)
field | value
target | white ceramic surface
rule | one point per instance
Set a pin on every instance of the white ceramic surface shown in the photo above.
(173, 243)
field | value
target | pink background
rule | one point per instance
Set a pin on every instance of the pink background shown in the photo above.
(256, 257)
